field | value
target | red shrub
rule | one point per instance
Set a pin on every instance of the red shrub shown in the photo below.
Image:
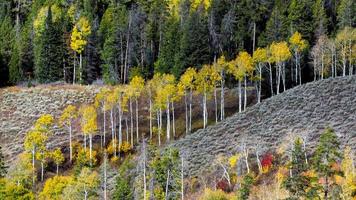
(267, 161)
(223, 185)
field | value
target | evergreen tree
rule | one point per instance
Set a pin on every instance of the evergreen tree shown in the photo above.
(277, 25)
(319, 18)
(326, 157)
(247, 182)
(300, 18)
(49, 51)
(3, 167)
(298, 184)
(346, 14)
(6, 49)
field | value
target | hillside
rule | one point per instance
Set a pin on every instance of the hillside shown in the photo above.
(301, 111)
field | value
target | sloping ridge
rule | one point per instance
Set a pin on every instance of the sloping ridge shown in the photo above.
(302, 111)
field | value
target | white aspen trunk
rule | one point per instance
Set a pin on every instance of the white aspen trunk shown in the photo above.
(80, 68)
(240, 98)
(57, 165)
(70, 143)
(216, 106)
(182, 179)
(344, 63)
(33, 165)
(173, 121)
(350, 58)
(284, 76)
(144, 170)
(105, 176)
(245, 92)
(120, 126)
(271, 78)
(127, 130)
(131, 122)
(259, 83)
(254, 37)
(150, 116)
(167, 183)
(278, 77)
(159, 128)
(104, 126)
(90, 147)
(160, 123)
(74, 67)
(246, 161)
(322, 66)
(222, 96)
(186, 114)
(168, 121)
(112, 130)
(190, 110)
(127, 49)
(137, 137)
(259, 162)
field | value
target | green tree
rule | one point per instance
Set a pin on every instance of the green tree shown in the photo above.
(298, 183)
(6, 50)
(346, 14)
(326, 157)
(300, 18)
(319, 19)
(48, 45)
(247, 182)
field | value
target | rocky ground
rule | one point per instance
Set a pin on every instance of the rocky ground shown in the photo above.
(302, 111)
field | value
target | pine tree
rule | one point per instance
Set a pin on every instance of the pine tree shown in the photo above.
(298, 184)
(49, 50)
(319, 19)
(326, 157)
(300, 18)
(346, 14)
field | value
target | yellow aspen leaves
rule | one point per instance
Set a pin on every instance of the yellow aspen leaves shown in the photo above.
(57, 156)
(137, 84)
(242, 65)
(233, 160)
(195, 4)
(260, 55)
(88, 120)
(44, 122)
(69, 113)
(206, 79)
(298, 44)
(39, 22)
(53, 188)
(280, 52)
(348, 181)
(79, 35)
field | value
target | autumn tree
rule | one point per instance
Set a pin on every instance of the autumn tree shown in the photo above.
(57, 157)
(110, 102)
(326, 157)
(186, 85)
(54, 187)
(298, 45)
(348, 181)
(80, 33)
(222, 65)
(89, 125)
(136, 87)
(298, 183)
(260, 59)
(67, 119)
(280, 53)
(101, 104)
(205, 80)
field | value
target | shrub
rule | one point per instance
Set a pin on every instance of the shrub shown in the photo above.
(216, 195)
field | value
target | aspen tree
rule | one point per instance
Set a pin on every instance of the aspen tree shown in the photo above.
(122, 99)
(298, 45)
(42, 155)
(186, 84)
(67, 119)
(260, 58)
(205, 80)
(280, 53)
(57, 157)
(348, 184)
(101, 104)
(81, 31)
(222, 66)
(110, 101)
(158, 104)
(345, 39)
(89, 125)
(150, 88)
(137, 85)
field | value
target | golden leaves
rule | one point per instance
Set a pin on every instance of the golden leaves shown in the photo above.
(88, 120)
(80, 32)
(279, 52)
(68, 115)
(297, 42)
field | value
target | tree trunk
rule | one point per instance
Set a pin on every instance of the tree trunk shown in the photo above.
(173, 121)
(182, 178)
(80, 68)
(131, 122)
(190, 110)
(90, 148)
(167, 184)
(57, 168)
(222, 96)
(112, 130)
(240, 98)
(42, 170)
(137, 137)
(150, 116)
(216, 106)
(70, 143)
(186, 114)
(259, 84)
(245, 93)
(271, 78)
(120, 126)
(104, 127)
(74, 72)
(105, 176)
(168, 121)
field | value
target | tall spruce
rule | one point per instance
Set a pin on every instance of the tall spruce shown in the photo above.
(346, 14)
(320, 19)
(49, 51)
(326, 159)
(300, 18)
(298, 183)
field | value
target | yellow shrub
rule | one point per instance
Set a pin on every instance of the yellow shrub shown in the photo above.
(216, 195)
